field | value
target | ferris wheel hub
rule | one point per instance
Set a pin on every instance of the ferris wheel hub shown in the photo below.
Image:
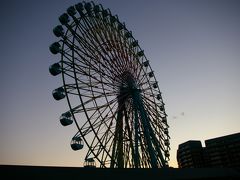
(107, 77)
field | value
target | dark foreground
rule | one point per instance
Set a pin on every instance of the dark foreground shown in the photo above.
(44, 172)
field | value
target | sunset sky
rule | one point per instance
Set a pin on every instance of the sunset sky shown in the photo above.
(193, 47)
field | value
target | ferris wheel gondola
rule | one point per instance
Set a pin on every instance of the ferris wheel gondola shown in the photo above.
(107, 77)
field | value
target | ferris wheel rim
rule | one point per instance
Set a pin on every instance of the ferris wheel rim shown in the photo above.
(145, 74)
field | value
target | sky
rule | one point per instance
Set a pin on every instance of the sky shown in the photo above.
(193, 47)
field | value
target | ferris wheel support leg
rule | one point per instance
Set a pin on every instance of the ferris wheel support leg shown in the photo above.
(136, 126)
(157, 146)
(117, 151)
(137, 101)
(154, 141)
(135, 157)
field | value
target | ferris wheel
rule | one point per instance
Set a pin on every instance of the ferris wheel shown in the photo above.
(113, 96)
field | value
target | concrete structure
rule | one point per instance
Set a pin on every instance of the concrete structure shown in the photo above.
(190, 154)
(219, 152)
(223, 151)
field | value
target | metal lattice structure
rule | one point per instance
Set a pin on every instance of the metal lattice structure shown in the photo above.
(107, 77)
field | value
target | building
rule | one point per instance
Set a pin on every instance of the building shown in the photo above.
(190, 154)
(219, 152)
(224, 151)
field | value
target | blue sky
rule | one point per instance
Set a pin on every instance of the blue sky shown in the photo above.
(193, 48)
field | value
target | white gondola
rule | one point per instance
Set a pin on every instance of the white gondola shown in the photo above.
(66, 119)
(58, 93)
(89, 163)
(55, 69)
(76, 143)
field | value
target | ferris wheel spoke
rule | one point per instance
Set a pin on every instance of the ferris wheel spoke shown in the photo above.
(150, 94)
(91, 25)
(80, 39)
(82, 60)
(87, 46)
(118, 34)
(109, 41)
(97, 119)
(108, 103)
(105, 79)
(105, 158)
(86, 91)
(96, 34)
(111, 104)
(123, 45)
(98, 95)
(106, 133)
(154, 114)
(143, 78)
(90, 28)
(144, 153)
(156, 144)
(79, 109)
(107, 83)
(150, 100)
(156, 125)
(83, 36)
(155, 109)
(142, 69)
(111, 107)
(105, 138)
(128, 121)
(102, 30)
(102, 64)
(118, 47)
(147, 87)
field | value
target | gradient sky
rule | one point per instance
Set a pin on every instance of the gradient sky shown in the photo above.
(193, 47)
